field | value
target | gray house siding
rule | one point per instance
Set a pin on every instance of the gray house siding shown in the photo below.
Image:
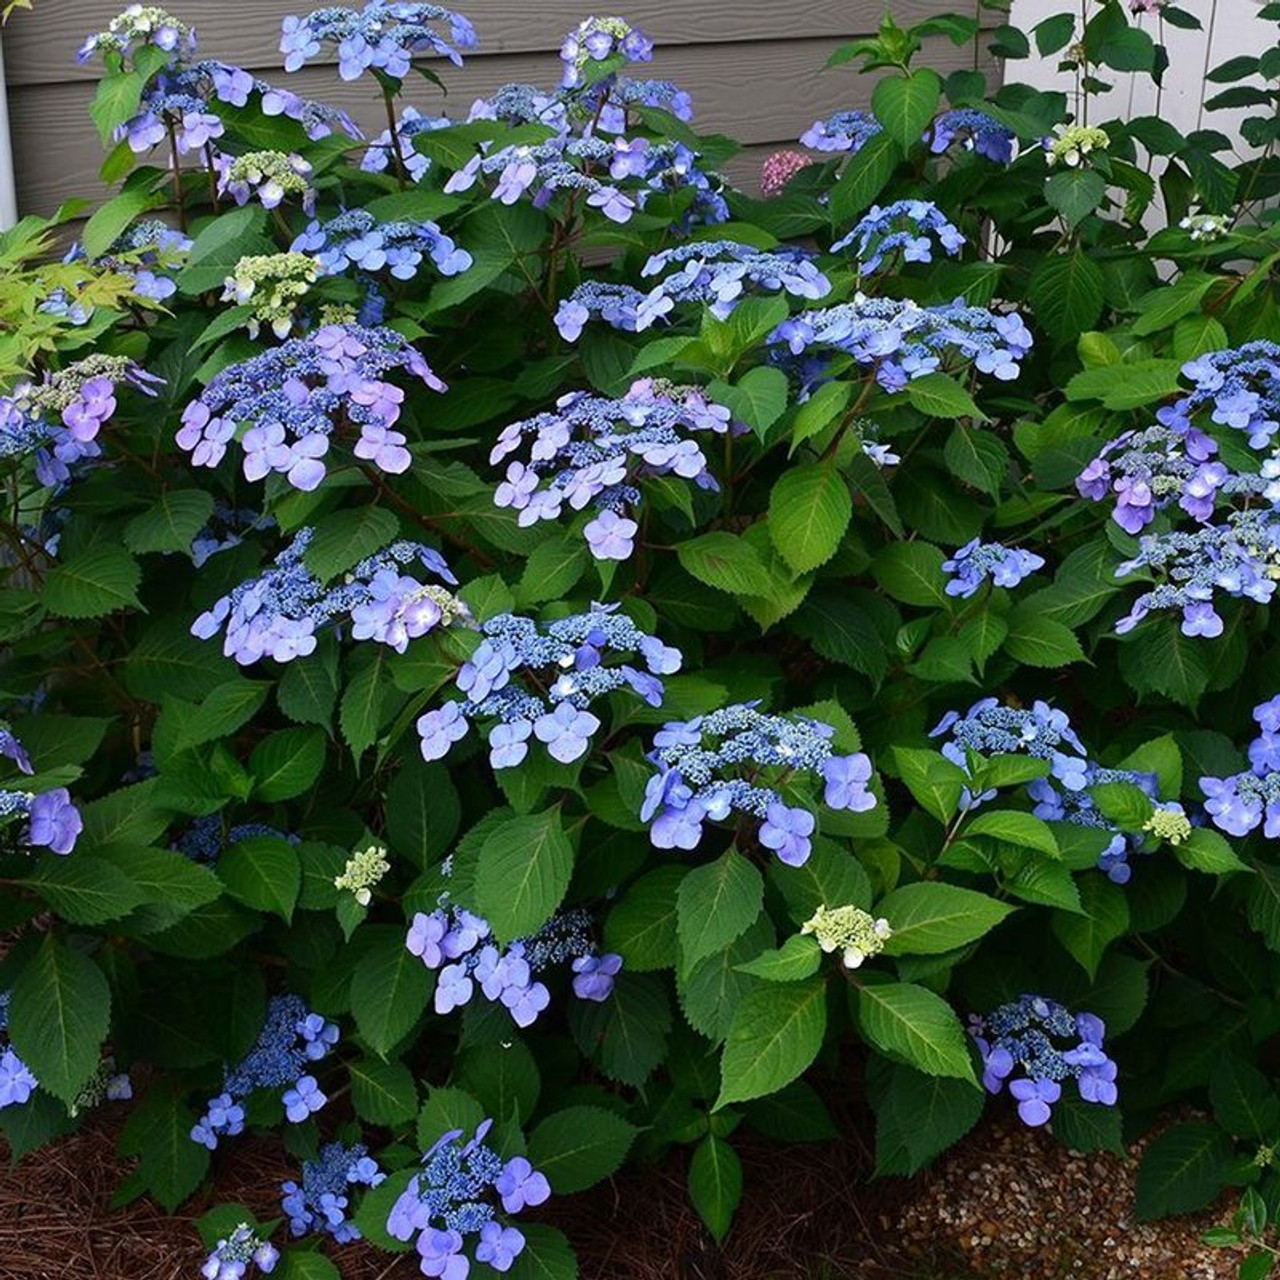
(754, 68)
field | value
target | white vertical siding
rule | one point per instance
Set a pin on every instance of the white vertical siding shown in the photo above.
(1229, 29)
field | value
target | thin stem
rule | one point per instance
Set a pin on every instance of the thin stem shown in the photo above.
(176, 164)
(213, 177)
(402, 171)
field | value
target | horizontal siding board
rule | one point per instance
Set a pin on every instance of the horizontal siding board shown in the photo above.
(757, 93)
(40, 45)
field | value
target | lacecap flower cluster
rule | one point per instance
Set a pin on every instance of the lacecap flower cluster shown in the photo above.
(912, 228)
(460, 946)
(277, 614)
(978, 561)
(291, 1040)
(1244, 801)
(593, 451)
(320, 1202)
(719, 273)
(57, 421)
(297, 398)
(745, 761)
(449, 1206)
(386, 37)
(1042, 1040)
(232, 1256)
(904, 340)
(537, 680)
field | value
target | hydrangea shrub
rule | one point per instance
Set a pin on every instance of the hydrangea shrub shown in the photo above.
(521, 655)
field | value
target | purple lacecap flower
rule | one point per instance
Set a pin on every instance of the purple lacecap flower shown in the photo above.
(453, 988)
(17, 1083)
(630, 160)
(265, 451)
(318, 1035)
(997, 1065)
(441, 1255)
(440, 729)
(679, 733)
(303, 1099)
(610, 536)
(509, 743)
(571, 318)
(426, 932)
(594, 976)
(1034, 1098)
(786, 831)
(384, 447)
(84, 416)
(12, 749)
(520, 1184)
(1201, 619)
(55, 821)
(846, 780)
(679, 828)
(566, 731)
(615, 206)
(499, 1245)
(666, 789)
(525, 1003)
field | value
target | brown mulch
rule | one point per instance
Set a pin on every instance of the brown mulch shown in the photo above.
(1006, 1202)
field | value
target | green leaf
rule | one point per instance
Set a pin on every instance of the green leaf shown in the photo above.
(84, 889)
(286, 763)
(798, 958)
(1015, 827)
(978, 458)
(546, 1255)
(347, 537)
(306, 1264)
(1067, 292)
(389, 991)
(918, 1116)
(938, 396)
(552, 569)
(422, 812)
(170, 525)
(522, 874)
(715, 903)
(726, 562)
(59, 1013)
(264, 873)
(626, 1035)
(642, 926)
(1135, 384)
(932, 779)
(758, 398)
(158, 1133)
(117, 98)
(1075, 193)
(1039, 641)
(905, 105)
(912, 1025)
(580, 1146)
(809, 511)
(1105, 918)
(308, 690)
(1208, 851)
(1244, 1102)
(93, 583)
(715, 1184)
(775, 1034)
(930, 918)
(110, 220)
(1184, 1169)
(912, 572)
(226, 709)
(863, 178)
(1086, 1126)
(383, 1092)
(226, 239)
(1124, 803)
(361, 711)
